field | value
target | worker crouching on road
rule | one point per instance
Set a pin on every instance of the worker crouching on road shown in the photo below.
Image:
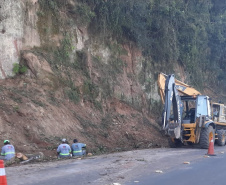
(8, 151)
(78, 149)
(64, 150)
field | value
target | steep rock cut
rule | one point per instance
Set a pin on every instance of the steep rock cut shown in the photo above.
(76, 85)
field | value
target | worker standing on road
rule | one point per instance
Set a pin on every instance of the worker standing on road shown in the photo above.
(8, 151)
(64, 150)
(78, 149)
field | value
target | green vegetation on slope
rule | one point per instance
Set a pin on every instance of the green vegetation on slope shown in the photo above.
(189, 32)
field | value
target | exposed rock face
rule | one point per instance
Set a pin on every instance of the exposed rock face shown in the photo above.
(11, 34)
(31, 36)
(17, 32)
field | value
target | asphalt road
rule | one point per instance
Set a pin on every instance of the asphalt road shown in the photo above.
(128, 168)
(209, 171)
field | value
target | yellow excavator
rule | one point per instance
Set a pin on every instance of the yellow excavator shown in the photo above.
(187, 116)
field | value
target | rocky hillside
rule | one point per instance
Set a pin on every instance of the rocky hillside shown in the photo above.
(70, 83)
(80, 69)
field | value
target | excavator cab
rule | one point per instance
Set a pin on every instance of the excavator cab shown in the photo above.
(189, 109)
(190, 116)
(195, 107)
(203, 106)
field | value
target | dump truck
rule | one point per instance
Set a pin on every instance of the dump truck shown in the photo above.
(187, 116)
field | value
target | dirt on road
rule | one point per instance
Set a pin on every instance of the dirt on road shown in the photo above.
(106, 169)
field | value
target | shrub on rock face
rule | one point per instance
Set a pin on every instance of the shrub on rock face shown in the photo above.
(16, 68)
(22, 69)
(19, 69)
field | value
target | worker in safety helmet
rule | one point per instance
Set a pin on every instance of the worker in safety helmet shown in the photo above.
(8, 151)
(78, 149)
(64, 150)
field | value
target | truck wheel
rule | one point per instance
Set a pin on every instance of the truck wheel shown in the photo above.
(205, 137)
(221, 137)
(175, 143)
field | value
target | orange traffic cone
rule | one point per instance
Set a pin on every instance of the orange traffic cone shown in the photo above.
(3, 180)
(211, 148)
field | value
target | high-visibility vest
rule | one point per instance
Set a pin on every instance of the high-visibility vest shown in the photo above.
(8, 151)
(64, 150)
(77, 148)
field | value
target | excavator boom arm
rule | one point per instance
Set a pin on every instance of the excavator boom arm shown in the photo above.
(172, 102)
(183, 88)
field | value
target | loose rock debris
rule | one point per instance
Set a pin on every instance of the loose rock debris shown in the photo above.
(206, 156)
(186, 162)
(103, 173)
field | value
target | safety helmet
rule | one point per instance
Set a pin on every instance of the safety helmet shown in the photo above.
(6, 141)
(64, 140)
